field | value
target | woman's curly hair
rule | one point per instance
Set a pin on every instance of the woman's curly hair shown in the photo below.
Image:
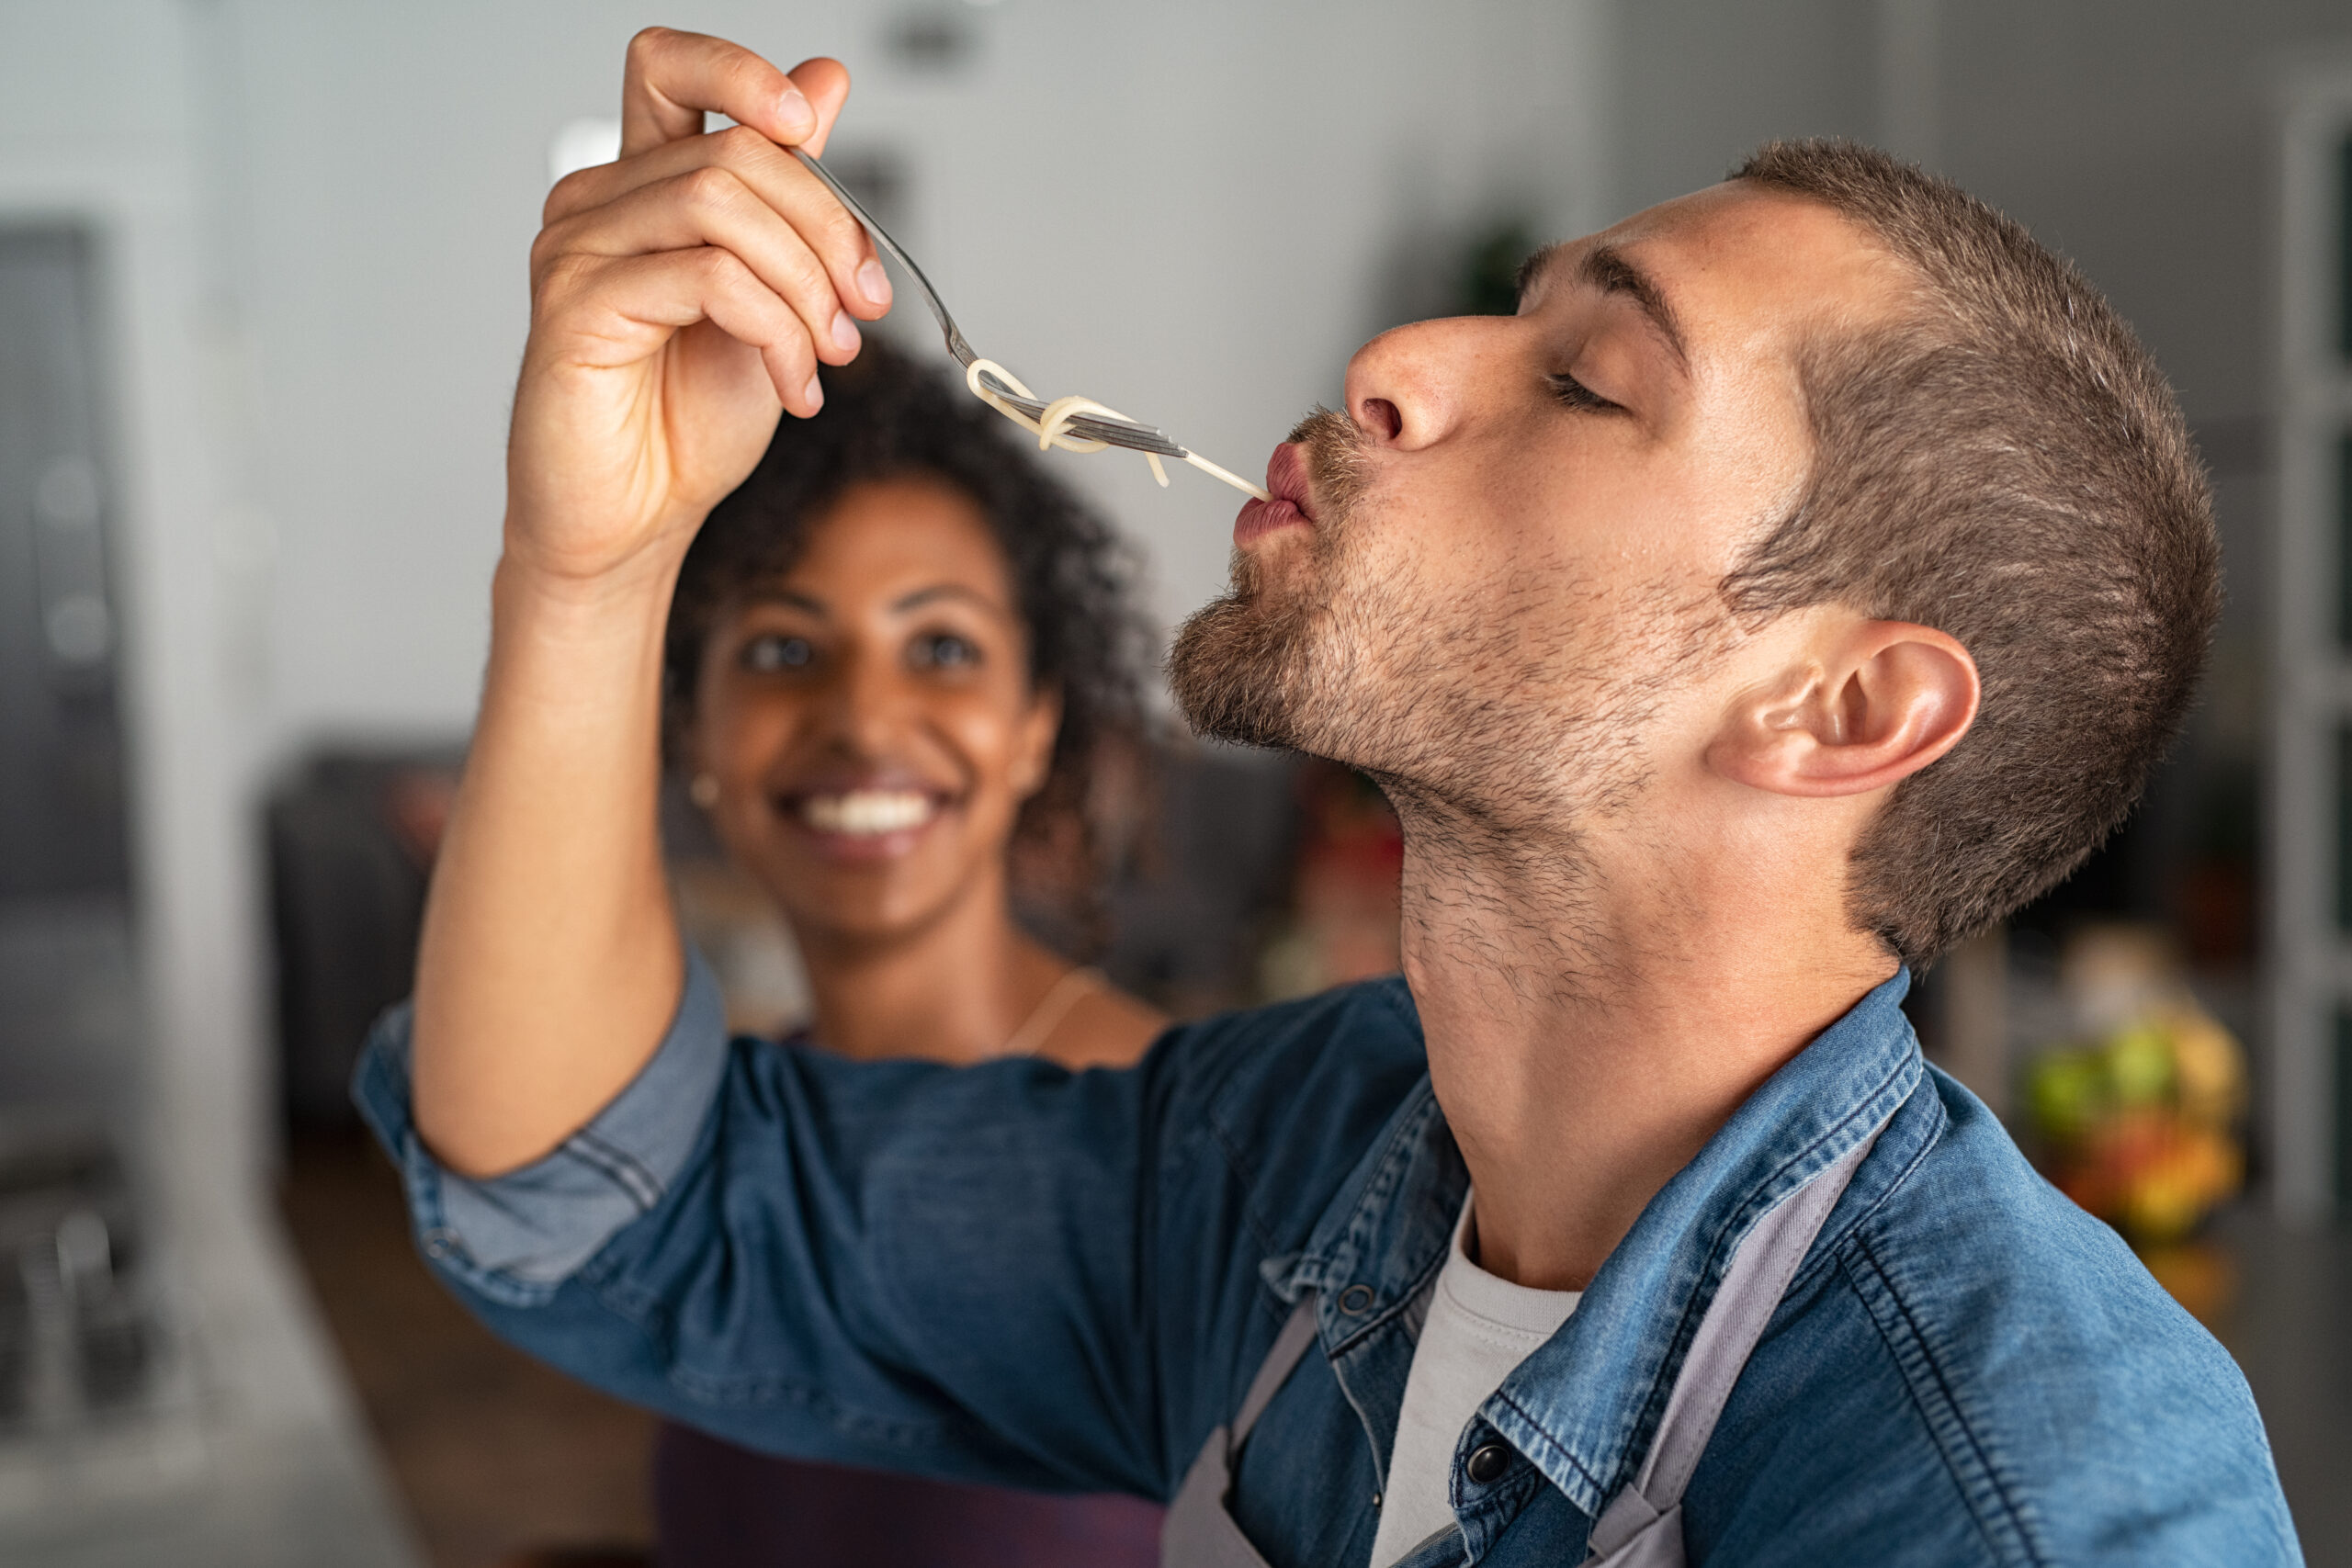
(886, 417)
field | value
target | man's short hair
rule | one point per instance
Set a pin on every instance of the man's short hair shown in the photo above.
(2007, 465)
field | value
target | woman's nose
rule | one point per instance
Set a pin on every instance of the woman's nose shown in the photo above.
(866, 703)
(1412, 385)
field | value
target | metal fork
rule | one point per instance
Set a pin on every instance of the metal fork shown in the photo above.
(1094, 427)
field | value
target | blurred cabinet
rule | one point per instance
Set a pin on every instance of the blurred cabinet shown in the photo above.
(61, 793)
(65, 958)
(351, 838)
(2310, 1091)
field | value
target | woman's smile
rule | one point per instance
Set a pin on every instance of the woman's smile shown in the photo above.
(867, 813)
(864, 822)
(870, 718)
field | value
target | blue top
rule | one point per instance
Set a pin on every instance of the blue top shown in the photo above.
(1017, 1274)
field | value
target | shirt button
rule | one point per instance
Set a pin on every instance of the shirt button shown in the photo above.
(440, 1242)
(1355, 1300)
(1487, 1463)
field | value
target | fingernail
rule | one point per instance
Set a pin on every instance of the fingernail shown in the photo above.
(845, 336)
(813, 394)
(873, 282)
(793, 113)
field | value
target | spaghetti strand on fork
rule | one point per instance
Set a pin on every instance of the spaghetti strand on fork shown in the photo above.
(1052, 428)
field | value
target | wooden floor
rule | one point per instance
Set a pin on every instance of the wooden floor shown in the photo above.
(500, 1460)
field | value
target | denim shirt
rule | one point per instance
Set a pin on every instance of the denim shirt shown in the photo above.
(1016, 1274)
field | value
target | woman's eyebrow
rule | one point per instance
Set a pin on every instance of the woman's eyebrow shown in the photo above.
(937, 591)
(790, 600)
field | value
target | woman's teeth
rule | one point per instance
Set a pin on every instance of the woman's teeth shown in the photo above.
(867, 811)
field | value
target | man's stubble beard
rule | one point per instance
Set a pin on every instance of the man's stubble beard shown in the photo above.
(1473, 707)
(1317, 648)
(1510, 719)
(1244, 666)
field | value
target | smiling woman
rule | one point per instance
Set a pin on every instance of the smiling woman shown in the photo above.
(895, 657)
(867, 728)
(894, 556)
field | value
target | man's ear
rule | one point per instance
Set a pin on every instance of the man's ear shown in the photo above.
(1881, 700)
(1033, 760)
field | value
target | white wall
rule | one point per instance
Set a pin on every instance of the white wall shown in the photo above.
(99, 125)
(103, 123)
(316, 218)
(1702, 82)
(394, 162)
(314, 221)
(2132, 134)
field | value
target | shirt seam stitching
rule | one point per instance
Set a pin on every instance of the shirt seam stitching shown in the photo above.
(1395, 1152)
(1540, 1434)
(1824, 1256)
(618, 1166)
(1860, 1255)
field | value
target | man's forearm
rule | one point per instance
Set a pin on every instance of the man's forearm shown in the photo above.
(549, 965)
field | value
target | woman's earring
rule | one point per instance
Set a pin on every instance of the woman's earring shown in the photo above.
(702, 790)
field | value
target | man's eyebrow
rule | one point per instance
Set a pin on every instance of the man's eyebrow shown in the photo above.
(1605, 269)
(1535, 266)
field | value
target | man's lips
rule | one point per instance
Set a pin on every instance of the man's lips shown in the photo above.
(1286, 477)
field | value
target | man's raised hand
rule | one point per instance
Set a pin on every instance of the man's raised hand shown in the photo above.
(679, 297)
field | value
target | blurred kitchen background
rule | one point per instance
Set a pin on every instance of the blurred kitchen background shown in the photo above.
(261, 302)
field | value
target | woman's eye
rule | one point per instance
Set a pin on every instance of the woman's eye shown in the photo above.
(772, 654)
(1576, 395)
(943, 650)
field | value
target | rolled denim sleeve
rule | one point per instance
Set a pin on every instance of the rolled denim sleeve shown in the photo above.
(516, 1238)
(1008, 1273)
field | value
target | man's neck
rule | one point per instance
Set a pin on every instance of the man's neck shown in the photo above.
(1592, 1024)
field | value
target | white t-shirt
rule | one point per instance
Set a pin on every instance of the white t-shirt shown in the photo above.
(1479, 1329)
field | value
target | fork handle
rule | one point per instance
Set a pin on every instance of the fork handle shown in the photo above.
(947, 327)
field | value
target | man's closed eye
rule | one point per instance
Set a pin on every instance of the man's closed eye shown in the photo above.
(1576, 395)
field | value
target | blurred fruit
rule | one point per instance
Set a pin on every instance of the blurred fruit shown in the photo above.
(2207, 1069)
(2177, 1173)
(2139, 1128)
(2066, 1090)
(2139, 1063)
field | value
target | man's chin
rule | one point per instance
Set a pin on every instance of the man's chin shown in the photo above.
(1235, 670)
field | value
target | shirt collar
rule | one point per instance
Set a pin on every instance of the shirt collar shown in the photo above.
(1583, 1407)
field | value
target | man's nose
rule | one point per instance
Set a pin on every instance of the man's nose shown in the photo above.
(1413, 386)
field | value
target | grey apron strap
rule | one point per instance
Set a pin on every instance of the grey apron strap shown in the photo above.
(1199, 1532)
(1642, 1526)
(1290, 1347)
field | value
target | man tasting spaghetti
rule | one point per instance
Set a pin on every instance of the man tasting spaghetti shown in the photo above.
(1806, 576)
